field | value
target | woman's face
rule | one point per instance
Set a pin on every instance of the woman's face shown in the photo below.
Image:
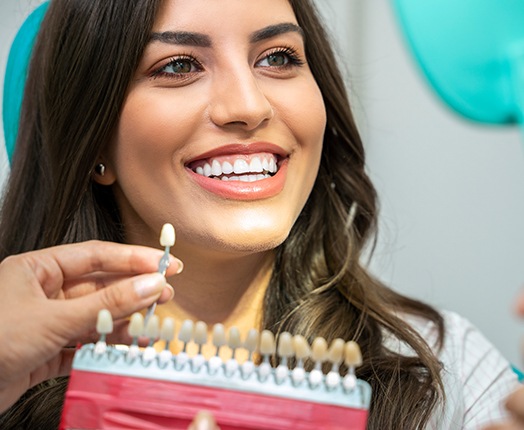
(221, 132)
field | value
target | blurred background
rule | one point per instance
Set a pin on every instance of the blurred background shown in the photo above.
(451, 191)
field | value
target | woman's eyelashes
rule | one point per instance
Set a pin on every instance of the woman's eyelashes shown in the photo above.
(179, 67)
(283, 57)
(186, 66)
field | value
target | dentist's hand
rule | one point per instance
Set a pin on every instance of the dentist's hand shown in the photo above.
(515, 405)
(204, 421)
(49, 299)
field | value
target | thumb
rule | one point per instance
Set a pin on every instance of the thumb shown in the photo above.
(120, 299)
(203, 421)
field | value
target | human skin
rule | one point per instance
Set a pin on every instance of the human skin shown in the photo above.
(50, 299)
(231, 91)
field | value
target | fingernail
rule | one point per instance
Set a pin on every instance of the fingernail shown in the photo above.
(204, 421)
(171, 291)
(180, 266)
(148, 285)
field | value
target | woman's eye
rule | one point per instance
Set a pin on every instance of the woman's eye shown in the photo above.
(282, 58)
(275, 60)
(178, 67)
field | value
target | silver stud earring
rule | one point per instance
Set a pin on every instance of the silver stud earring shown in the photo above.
(100, 169)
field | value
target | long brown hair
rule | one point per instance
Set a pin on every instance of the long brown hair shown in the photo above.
(83, 61)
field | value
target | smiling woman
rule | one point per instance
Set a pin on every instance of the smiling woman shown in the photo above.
(234, 91)
(236, 128)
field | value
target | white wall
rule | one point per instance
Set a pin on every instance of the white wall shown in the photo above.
(452, 192)
(12, 15)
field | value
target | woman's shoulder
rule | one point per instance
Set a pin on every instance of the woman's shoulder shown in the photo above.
(462, 339)
(476, 376)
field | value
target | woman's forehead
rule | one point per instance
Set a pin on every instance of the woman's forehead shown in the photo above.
(221, 15)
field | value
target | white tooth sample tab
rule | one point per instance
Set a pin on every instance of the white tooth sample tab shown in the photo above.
(167, 235)
(136, 325)
(104, 322)
(152, 327)
(167, 332)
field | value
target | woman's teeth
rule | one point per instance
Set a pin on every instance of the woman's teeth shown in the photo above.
(254, 169)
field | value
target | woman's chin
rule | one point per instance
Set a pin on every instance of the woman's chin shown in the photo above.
(237, 242)
(250, 242)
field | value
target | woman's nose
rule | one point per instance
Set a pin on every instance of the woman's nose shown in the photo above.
(238, 100)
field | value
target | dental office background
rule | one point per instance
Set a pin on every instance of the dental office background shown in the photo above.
(452, 192)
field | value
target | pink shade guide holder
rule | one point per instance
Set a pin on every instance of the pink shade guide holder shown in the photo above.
(110, 391)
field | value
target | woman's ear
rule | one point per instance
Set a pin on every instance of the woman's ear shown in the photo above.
(103, 174)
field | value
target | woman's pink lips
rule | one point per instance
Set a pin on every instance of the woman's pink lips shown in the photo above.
(237, 190)
(238, 148)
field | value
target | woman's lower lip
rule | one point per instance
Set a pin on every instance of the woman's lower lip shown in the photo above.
(237, 190)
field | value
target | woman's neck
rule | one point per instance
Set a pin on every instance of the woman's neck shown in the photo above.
(229, 290)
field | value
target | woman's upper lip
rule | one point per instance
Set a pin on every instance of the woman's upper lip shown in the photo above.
(241, 148)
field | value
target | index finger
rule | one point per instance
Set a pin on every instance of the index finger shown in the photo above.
(56, 264)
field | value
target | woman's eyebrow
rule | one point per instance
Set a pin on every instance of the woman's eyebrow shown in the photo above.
(182, 38)
(275, 30)
(189, 38)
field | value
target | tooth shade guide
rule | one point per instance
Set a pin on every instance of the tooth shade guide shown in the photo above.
(136, 325)
(219, 336)
(152, 332)
(104, 323)
(319, 350)
(114, 389)
(167, 235)
(251, 342)
(104, 326)
(301, 347)
(249, 348)
(152, 328)
(200, 333)
(167, 335)
(185, 335)
(352, 354)
(167, 331)
(234, 340)
(336, 353)
(267, 343)
(288, 375)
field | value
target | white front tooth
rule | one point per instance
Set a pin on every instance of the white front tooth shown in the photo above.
(240, 166)
(255, 165)
(216, 168)
(207, 170)
(200, 170)
(261, 176)
(227, 168)
(244, 178)
(265, 164)
(234, 178)
(272, 166)
(252, 178)
(225, 178)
